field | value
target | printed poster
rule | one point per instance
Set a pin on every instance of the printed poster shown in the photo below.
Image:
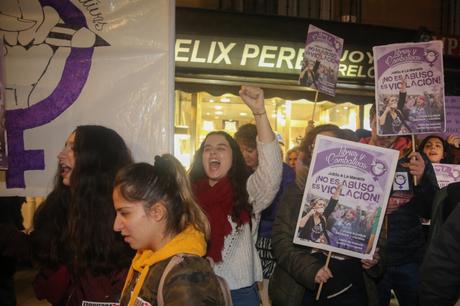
(452, 115)
(446, 174)
(321, 60)
(70, 63)
(345, 197)
(409, 88)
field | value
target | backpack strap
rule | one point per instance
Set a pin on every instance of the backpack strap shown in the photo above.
(225, 290)
(171, 264)
(178, 259)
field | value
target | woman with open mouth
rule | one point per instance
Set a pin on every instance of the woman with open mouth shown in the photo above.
(80, 258)
(233, 199)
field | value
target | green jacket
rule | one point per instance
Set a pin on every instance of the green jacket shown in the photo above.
(296, 267)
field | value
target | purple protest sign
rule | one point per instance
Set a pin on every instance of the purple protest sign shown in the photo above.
(321, 60)
(446, 174)
(347, 188)
(452, 116)
(409, 88)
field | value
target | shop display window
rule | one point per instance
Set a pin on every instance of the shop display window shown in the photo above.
(198, 113)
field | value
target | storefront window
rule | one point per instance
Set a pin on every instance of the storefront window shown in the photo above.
(183, 127)
(199, 113)
(366, 122)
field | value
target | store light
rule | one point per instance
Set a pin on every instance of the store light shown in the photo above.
(211, 100)
(208, 126)
(243, 114)
(224, 100)
(281, 120)
(182, 141)
(218, 107)
(345, 107)
(324, 117)
(352, 120)
(219, 113)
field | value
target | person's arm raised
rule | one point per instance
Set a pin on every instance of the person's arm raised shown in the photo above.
(253, 97)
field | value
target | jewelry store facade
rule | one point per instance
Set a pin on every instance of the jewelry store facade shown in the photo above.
(216, 52)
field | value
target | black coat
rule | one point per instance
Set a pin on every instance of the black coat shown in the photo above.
(440, 273)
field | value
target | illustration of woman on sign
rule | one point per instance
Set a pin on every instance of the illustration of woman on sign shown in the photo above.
(392, 121)
(309, 75)
(312, 226)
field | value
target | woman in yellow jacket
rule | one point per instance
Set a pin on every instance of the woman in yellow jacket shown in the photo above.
(157, 216)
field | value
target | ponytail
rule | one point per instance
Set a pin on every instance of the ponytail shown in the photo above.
(192, 214)
(166, 182)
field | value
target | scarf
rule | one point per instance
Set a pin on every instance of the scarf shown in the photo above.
(400, 143)
(218, 201)
(189, 241)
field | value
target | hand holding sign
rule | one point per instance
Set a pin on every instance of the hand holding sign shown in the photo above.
(369, 263)
(454, 140)
(416, 165)
(323, 275)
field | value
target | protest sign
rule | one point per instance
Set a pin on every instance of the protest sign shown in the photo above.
(345, 196)
(321, 60)
(452, 115)
(409, 88)
(446, 174)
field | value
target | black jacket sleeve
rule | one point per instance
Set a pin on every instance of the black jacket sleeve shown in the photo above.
(440, 273)
(294, 259)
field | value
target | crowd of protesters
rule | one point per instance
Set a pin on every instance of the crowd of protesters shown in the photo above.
(115, 231)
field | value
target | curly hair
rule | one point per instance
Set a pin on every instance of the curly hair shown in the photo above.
(81, 215)
(238, 174)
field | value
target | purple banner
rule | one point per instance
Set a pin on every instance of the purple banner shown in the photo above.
(347, 188)
(321, 60)
(409, 88)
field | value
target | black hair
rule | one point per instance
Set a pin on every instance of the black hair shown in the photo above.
(307, 143)
(448, 156)
(74, 224)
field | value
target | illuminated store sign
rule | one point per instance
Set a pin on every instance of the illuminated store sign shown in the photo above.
(236, 54)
